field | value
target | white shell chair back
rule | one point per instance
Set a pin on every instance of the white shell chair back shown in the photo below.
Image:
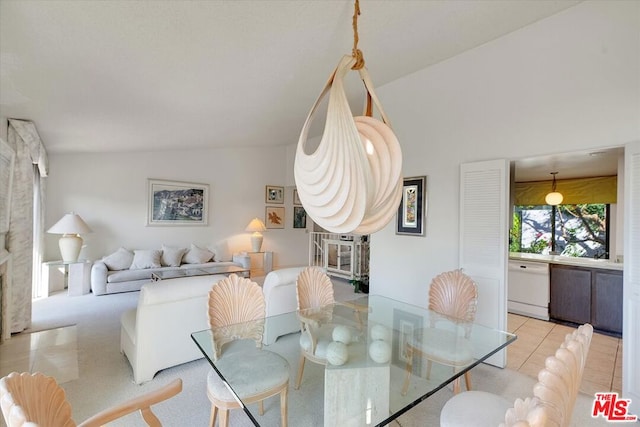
(314, 289)
(454, 294)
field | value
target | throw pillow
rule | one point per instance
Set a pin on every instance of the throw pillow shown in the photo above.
(119, 260)
(172, 257)
(197, 255)
(145, 258)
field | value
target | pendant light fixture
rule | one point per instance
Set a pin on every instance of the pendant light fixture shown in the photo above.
(554, 198)
(352, 182)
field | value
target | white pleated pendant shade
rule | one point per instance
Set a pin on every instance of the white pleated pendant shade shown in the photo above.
(352, 183)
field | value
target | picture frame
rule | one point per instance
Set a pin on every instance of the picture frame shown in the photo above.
(7, 165)
(274, 194)
(296, 198)
(299, 217)
(405, 325)
(171, 203)
(274, 217)
(413, 207)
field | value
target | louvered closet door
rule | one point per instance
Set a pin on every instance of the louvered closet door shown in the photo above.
(631, 298)
(484, 226)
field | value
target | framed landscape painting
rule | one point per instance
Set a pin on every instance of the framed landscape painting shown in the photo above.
(177, 203)
(413, 207)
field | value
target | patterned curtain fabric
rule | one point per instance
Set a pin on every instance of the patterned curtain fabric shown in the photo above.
(25, 141)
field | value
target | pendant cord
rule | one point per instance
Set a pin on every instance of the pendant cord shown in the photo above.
(356, 53)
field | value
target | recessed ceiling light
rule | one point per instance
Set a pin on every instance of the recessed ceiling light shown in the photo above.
(597, 153)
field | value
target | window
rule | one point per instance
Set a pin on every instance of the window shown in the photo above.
(569, 230)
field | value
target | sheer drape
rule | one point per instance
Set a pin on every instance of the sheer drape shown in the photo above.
(25, 141)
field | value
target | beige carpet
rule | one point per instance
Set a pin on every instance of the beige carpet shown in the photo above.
(105, 376)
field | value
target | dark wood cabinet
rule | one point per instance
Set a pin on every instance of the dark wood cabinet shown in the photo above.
(581, 295)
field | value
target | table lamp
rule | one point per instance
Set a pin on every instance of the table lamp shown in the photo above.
(256, 226)
(70, 226)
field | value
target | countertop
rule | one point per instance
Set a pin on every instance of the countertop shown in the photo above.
(565, 260)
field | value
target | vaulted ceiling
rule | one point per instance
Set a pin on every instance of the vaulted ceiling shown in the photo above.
(103, 76)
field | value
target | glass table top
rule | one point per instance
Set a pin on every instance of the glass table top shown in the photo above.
(370, 381)
(203, 271)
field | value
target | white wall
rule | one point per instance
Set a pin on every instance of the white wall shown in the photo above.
(110, 192)
(569, 82)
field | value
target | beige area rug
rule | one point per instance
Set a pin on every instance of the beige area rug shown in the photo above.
(105, 377)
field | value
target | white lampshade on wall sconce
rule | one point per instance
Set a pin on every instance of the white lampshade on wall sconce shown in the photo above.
(554, 198)
(256, 226)
(70, 226)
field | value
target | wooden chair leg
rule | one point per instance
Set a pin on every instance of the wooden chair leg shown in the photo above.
(467, 380)
(261, 407)
(283, 406)
(456, 386)
(212, 417)
(224, 417)
(429, 363)
(300, 370)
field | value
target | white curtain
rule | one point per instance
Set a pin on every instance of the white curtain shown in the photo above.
(21, 240)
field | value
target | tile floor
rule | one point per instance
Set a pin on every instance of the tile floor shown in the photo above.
(538, 339)
(54, 352)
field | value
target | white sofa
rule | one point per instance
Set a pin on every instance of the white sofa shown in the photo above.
(157, 334)
(279, 290)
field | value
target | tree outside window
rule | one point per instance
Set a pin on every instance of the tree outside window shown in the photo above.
(570, 230)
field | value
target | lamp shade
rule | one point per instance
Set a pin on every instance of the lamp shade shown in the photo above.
(256, 224)
(71, 223)
(70, 243)
(553, 198)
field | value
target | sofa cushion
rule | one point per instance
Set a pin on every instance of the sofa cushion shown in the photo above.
(145, 258)
(196, 255)
(172, 257)
(119, 260)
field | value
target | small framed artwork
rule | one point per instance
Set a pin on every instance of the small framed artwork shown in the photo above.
(413, 207)
(406, 327)
(274, 217)
(296, 198)
(177, 203)
(299, 217)
(274, 194)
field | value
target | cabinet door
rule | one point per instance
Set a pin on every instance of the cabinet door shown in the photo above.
(607, 301)
(570, 294)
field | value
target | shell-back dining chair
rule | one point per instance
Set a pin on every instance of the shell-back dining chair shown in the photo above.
(454, 295)
(38, 400)
(236, 312)
(554, 395)
(314, 290)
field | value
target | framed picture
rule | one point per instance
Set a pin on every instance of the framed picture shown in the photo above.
(274, 194)
(413, 207)
(177, 203)
(7, 163)
(274, 217)
(299, 217)
(405, 326)
(296, 198)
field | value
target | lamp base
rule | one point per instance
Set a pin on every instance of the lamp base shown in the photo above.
(70, 245)
(256, 242)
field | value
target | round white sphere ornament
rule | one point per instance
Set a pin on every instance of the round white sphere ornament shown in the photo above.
(380, 351)
(341, 334)
(337, 353)
(380, 333)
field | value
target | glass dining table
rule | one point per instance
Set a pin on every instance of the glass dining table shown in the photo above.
(372, 377)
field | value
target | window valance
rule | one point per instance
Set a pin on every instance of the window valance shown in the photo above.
(575, 191)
